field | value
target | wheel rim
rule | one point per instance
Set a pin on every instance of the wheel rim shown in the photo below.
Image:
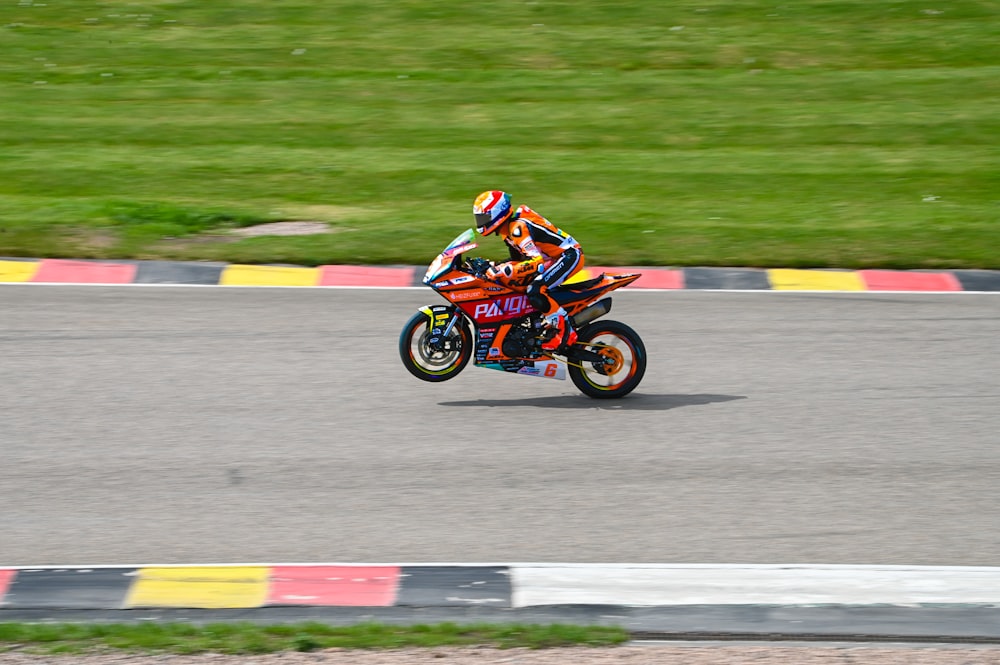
(429, 360)
(614, 360)
(620, 362)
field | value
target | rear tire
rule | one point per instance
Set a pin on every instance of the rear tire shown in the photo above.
(626, 364)
(425, 363)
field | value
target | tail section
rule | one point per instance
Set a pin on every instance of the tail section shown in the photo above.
(591, 289)
(584, 301)
(623, 279)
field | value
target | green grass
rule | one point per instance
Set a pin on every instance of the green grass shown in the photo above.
(820, 133)
(247, 638)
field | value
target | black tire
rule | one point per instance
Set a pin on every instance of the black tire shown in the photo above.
(423, 362)
(621, 344)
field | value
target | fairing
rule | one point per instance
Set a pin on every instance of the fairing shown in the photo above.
(464, 242)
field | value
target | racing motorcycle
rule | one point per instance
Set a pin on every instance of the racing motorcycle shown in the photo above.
(497, 325)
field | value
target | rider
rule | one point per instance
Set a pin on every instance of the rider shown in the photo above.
(538, 251)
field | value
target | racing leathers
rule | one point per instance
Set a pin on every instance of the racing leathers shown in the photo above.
(541, 256)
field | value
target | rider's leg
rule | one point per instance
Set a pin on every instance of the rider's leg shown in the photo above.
(538, 295)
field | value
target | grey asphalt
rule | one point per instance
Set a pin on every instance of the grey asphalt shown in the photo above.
(199, 425)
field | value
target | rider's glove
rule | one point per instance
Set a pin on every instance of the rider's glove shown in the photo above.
(500, 271)
(514, 273)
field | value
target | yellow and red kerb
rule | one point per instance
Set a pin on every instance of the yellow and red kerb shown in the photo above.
(250, 586)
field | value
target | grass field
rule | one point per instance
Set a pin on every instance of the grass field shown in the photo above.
(247, 638)
(815, 133)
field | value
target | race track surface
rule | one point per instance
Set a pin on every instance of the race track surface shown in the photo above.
(181, 425)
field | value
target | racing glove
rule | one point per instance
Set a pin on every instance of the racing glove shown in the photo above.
(514, 272)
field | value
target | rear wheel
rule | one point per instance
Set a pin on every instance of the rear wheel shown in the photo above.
(623, 360)
(440, 361)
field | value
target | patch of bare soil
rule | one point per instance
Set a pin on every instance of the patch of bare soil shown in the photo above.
(283, 229)
(256, 231)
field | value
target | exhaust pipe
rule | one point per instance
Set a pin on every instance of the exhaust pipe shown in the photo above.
(599, 308)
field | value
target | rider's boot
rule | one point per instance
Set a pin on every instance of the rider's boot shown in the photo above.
(563, 333)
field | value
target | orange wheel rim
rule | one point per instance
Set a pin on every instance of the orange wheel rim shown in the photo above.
(615, 355)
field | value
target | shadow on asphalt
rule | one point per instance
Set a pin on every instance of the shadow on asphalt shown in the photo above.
(633, 402)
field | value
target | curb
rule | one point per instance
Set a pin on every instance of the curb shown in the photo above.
(64, 271)
(505, 585)
(666, 601)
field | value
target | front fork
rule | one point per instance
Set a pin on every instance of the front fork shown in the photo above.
(443, 319)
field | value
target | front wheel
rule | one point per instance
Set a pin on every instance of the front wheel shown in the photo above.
(440, 361)
(623, 364)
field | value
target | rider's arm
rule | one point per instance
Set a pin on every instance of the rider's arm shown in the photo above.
(515, 272)
(527, 259)
(519, 238)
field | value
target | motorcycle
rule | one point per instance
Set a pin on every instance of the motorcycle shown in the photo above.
(497, 325)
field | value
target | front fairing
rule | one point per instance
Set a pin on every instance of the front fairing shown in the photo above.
(464, 242)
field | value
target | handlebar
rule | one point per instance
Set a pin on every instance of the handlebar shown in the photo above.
(478, 266)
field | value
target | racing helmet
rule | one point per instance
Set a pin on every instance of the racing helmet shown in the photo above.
(491, 209)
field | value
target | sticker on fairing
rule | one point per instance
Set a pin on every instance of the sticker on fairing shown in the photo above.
(547, 369)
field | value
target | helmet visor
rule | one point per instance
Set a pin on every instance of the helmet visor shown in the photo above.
(483, 220)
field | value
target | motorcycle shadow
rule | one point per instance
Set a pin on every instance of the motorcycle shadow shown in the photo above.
(633, 402)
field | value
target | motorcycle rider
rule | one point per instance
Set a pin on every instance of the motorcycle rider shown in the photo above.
(539, 252)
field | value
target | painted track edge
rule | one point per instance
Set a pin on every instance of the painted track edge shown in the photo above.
(176, 273)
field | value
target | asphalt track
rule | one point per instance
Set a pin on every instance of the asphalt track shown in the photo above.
(220, 424)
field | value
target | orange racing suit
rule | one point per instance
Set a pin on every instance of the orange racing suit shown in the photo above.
(541, 253)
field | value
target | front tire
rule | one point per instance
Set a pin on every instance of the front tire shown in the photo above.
(625, 363)
(429, 364)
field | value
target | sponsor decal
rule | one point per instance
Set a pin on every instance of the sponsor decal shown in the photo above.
(549, 370)
(462, 280)
(494, 352)
(467, 295)
(502, 307)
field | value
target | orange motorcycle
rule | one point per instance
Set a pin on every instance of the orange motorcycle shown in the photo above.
(498, 326)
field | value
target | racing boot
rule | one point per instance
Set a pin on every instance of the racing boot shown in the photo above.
(561, 329)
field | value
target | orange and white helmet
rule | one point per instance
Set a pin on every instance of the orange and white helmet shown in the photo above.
(491, 209)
